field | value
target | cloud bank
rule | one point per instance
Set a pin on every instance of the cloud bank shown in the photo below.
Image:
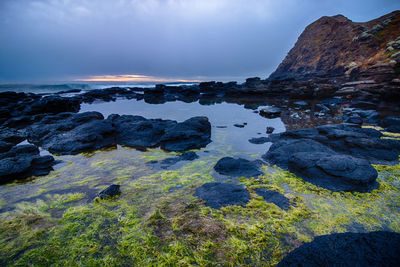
(54, 40)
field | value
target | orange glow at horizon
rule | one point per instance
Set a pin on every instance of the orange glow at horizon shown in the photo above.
(130, 78)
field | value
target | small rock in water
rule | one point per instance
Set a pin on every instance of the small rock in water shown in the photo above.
(270, 112)
(239, 125)
(270, 130)
(111, 191)
(259, 140)
(238, 167)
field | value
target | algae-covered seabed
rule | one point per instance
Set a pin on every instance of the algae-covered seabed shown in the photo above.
(54, 220)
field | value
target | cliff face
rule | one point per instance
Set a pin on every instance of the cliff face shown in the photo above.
(337, 48)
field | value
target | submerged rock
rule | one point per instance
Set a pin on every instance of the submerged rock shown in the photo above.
(238, 167)
(219, 195)
(348, 249)
(274, 197)
(166, 163)
(22, 161)
(111, 191)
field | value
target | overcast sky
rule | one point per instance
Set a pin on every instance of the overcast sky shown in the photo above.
(60, 40)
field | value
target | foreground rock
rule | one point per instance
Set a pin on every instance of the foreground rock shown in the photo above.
(336, 157)
(238, 167)
(219, 195)
(22, 161)
(348, 249)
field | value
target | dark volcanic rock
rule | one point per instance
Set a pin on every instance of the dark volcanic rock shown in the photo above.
(336, 157)
(138, 132)
(280, 152)
(274, 197)
(218, 195)
(68, 133)
(111, 191)
(23, 161)
(238, 167)
(391, 124)
(53, 104)
(193, 133)
(335, 172)
(165, 163)
(259, 140)
(270, 130)
(348, 249)
(270, 112)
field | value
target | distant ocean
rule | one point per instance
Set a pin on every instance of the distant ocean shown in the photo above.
(57, 87)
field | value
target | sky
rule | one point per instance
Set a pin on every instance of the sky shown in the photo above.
(158, 40)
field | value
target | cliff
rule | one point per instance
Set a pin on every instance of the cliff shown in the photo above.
(336, 47)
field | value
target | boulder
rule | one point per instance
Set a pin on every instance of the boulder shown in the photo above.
(379, 248)
(217, 195)
(238, 167)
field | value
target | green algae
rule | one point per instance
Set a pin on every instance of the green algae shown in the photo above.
(157, 220)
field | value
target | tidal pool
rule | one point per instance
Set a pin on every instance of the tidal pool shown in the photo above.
(56, 220)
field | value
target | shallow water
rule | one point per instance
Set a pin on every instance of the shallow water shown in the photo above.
(55, 219)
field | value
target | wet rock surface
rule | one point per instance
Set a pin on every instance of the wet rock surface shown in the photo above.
(336, 157)
(238, 167)
(219, 195)
(274, 197)
(348, 249)
(69, 133)
(111, 191)
(22, 161)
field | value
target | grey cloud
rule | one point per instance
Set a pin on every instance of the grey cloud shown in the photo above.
(67, 39)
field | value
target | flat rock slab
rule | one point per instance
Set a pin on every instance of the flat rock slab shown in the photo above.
(219, 195)
(22, 161)
(274, 197)
(238, 167)
(348, 249)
